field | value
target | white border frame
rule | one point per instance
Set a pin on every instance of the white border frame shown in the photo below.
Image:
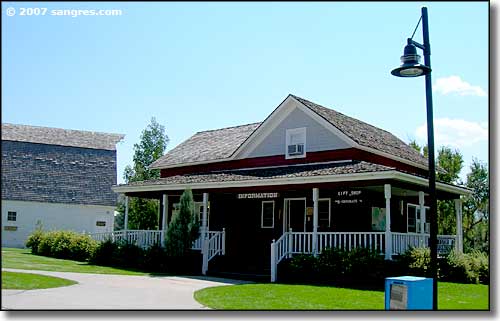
(15, 216)
(288, 133)
(262, 214)
(329, 210)
(286, 212)
(416, 206)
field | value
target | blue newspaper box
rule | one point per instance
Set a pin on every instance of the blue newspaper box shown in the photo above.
(408, 293)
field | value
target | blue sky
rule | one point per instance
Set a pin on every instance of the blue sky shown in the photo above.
(198, 66)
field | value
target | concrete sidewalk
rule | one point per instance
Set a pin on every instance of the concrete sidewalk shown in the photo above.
(120, 292)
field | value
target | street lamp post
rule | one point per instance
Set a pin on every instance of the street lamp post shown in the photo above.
(412, 68)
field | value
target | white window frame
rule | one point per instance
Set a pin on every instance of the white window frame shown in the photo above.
(9, 217)
(289, 133)
(329, 210)
(262, 214)
(417, 221)
(175, 207)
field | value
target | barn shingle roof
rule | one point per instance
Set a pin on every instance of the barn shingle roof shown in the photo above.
(59, 136)
(220, 144)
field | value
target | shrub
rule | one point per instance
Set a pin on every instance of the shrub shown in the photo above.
(62, 244)
(129, 255)
(336, 266)
(466, 268)
(34, 240)
(417, 261)
(105, 253)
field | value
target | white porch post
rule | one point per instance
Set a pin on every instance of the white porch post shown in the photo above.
(388, 236)
(459, 238)
(164, 220)
(421, 201)
(125, 221)
(204, 238)
(315, 221)
(274, 272)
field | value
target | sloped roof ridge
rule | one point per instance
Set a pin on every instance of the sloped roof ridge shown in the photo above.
(231, 127)
(338, 112)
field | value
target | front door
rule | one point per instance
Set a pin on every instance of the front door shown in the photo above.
(295, 214)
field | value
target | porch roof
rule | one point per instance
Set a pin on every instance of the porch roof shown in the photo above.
(282, 175)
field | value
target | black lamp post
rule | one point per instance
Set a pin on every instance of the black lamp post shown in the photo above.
(412, 68)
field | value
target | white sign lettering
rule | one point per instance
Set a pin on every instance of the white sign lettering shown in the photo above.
(257, 195)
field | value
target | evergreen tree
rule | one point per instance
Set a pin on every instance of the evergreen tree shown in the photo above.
(183, 228)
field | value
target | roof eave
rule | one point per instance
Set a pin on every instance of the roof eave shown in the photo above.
(390, 174)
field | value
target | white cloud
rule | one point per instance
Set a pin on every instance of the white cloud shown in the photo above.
(454, 84)
(456, 133)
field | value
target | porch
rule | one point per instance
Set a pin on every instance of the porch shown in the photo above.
(290, 243)
(268, 214)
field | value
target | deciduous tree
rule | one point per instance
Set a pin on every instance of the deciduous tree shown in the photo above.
(143, 213)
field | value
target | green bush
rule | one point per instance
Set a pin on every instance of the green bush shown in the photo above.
(34, 240)
(466, 268)
(105, 253)
(336, 266)
(62, 244)
(417, 261)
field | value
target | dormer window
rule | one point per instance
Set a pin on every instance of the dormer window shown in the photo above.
(295, 143)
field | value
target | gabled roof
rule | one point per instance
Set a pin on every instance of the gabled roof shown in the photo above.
(59, 136)
(221, 144)
(365, 134)
(207, 146)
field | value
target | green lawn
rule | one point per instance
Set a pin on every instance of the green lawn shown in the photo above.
(23, 259)
(28, 281)
(306, 297)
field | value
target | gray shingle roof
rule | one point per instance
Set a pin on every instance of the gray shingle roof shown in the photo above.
(222, 143)
(268, 173)
(59, 136)
(366, 134)
(207, 145)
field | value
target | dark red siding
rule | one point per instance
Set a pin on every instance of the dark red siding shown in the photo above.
(279, 160)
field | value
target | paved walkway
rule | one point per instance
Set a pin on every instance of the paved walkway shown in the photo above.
(105, 291)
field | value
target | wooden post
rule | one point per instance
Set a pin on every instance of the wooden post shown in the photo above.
(125, 221)
(204, 266)
(164, 219)
(204, 217)
(421, 201)
(388, 236)
(273, 262)
(204, 235)
(290, 244)
(459, 245)
(315, 221)
(223, 241)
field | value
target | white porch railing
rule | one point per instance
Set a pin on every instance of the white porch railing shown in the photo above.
(302, 243)
(197, 243)
(401, 242)
(147, 238)
(141, 238)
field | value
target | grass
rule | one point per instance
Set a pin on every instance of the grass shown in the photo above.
(23, 259)
(452, 296)
(29, 281)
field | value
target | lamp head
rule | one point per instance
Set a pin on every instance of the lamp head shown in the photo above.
(411, 66)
